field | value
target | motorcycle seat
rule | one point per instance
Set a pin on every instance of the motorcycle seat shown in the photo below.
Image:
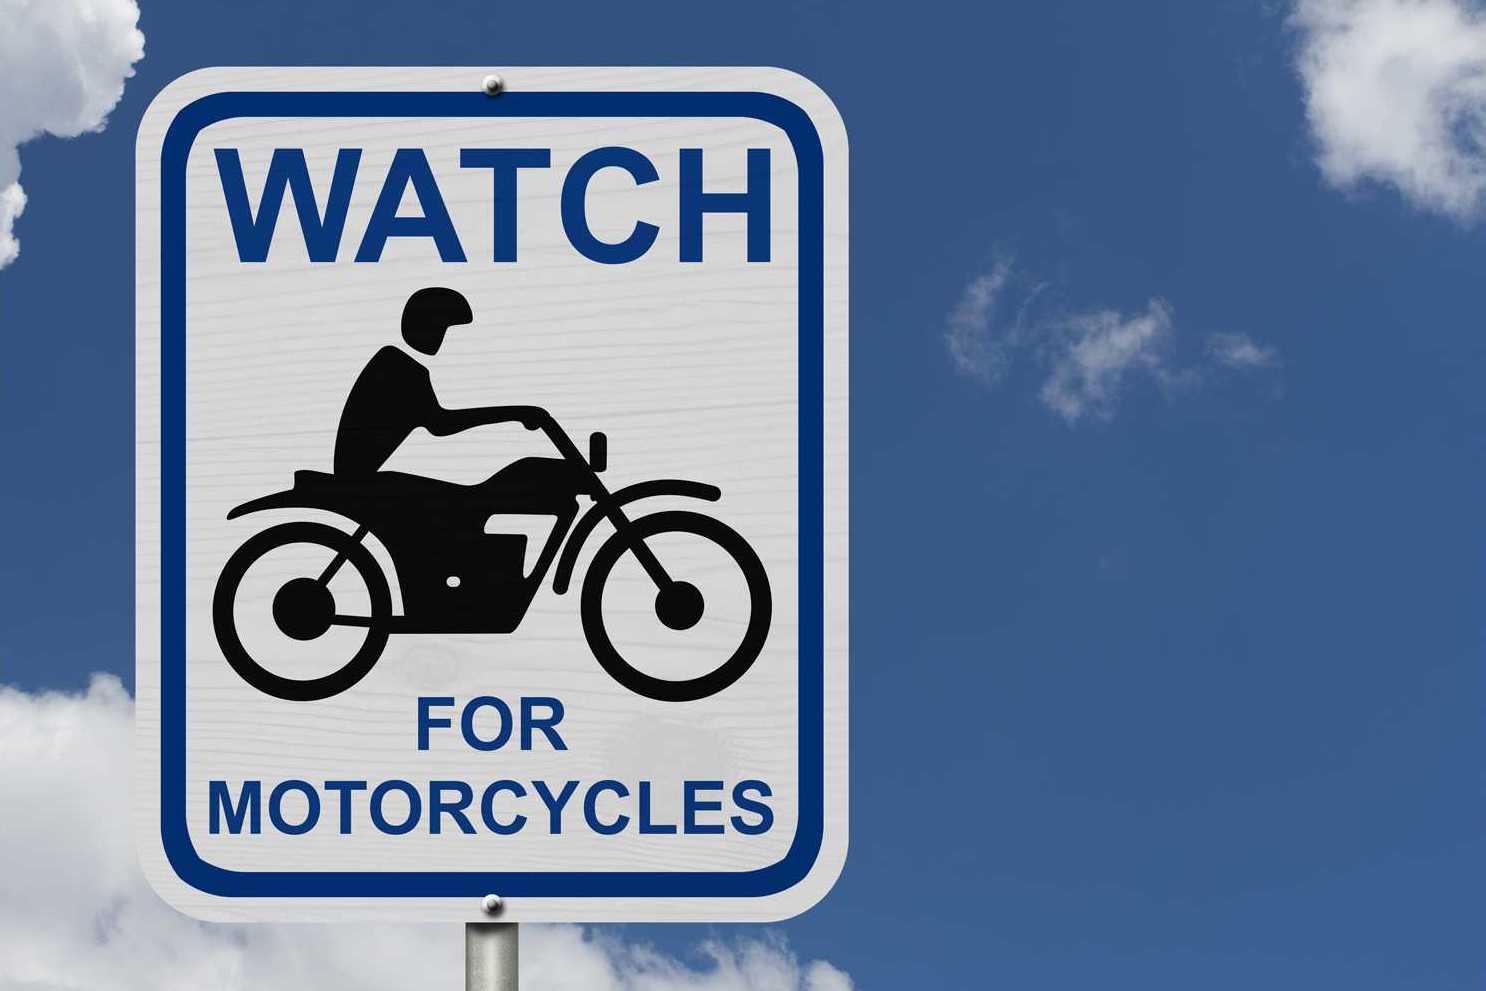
(306, 479)
(383, 485)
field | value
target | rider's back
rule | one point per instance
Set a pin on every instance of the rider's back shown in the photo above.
(392, 396)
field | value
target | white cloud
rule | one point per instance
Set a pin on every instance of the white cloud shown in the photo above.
(12, 204)
(1396, 94)
(1097, 352)
(75, 911)
(1239, 351)
(65, 63)
(1088, 358)
(976, 352)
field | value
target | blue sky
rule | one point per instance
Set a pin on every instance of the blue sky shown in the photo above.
(1184, 693)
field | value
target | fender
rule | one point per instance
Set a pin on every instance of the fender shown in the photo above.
(312, 490)
(599, 510)
(289, 499)
(296, 499)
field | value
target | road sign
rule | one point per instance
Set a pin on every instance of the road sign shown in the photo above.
(492, 528)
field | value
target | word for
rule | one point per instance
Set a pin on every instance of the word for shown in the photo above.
(539, 714)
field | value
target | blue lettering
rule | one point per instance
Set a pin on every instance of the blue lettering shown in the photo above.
(555, 803)
(438, 807)
(467, 723)
(754, 203)
(646, 826)
(692, 805)
(487, 808)
(575, 209)
(764, 813)
(547, 724)
(344, 789)
(410, 167)
(590, 807)
(503, 164)
(287, 169)
(276, 807)
(247, 807)
(427, 722)
(415, 807)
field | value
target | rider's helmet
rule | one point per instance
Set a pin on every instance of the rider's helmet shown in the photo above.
(429, 313)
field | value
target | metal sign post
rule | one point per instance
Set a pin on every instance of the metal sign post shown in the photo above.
(491, 956)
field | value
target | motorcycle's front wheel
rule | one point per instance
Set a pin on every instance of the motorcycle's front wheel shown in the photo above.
(679, 606)
(304, 607)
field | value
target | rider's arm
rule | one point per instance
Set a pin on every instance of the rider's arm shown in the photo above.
(443, 422)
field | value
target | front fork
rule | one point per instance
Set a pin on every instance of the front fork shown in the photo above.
(643, 553)
(612, 510)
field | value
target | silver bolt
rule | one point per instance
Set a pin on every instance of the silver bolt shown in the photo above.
(491, 904)
(493, 85)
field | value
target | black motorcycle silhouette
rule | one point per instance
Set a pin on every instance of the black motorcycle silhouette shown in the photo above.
(454, 577)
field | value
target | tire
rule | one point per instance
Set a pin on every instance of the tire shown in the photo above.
(224, 620)
(720, 678)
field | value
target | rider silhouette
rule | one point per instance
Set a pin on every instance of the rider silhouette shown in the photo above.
(393, 395)
(459, 569)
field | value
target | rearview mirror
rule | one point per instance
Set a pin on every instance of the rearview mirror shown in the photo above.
(598, 450)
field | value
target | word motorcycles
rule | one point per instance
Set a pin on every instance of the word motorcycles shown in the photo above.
(503, 807)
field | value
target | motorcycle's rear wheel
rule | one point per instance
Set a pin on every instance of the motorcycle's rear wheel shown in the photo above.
(297, 608)
(678, 606)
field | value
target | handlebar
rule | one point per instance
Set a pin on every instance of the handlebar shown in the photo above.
(558, 436)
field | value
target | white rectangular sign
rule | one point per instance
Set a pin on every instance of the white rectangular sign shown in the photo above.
(492, 493)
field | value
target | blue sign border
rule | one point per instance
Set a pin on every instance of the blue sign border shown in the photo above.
(175, 834)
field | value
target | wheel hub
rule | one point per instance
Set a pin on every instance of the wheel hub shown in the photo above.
(303, 609)
(679, 605)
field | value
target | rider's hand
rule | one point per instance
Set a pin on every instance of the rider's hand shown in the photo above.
(534, 418)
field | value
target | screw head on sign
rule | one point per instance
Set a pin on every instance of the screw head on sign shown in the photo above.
(491, 904)
(493, 85)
